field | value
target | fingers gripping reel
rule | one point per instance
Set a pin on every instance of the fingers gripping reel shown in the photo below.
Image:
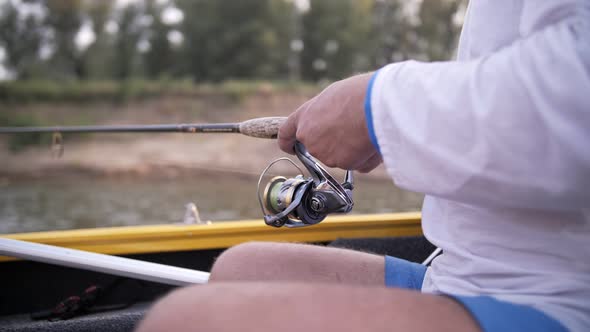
(300, 201)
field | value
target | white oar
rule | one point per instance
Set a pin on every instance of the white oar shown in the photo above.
(85, 260)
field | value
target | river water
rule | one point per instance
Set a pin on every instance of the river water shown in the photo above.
(73, 202)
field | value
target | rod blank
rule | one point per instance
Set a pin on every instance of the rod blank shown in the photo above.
(259, 127)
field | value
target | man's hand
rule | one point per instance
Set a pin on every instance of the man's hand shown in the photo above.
(332, 127)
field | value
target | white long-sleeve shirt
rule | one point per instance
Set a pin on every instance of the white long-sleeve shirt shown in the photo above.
(499, 141)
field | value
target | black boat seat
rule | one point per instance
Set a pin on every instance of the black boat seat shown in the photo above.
(110, 321)
(415, 249)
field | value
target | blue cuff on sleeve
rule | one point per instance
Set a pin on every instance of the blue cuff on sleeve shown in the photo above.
(369, 112)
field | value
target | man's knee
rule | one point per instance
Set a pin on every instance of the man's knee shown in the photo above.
(245, 307)
(246, 261)
(267, 261)
(194, 308)
(165, 314)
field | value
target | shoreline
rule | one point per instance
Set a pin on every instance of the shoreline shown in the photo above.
(155, 156)
(152, 172)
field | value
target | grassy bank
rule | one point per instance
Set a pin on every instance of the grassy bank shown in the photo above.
(46, 103)
(18, 142)
(89, 91)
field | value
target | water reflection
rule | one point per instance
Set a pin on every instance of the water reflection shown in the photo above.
(87, 202)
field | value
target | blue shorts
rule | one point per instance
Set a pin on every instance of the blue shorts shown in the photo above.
(492, 315)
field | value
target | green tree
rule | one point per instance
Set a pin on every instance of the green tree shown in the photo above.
(430, 34)
(160, 58)
(236, 39)
(99, 55)
(336, 38)
(64, 20)
(437, 33)
(391, 33)
(281, 21)
(21, 38)
(126, 57)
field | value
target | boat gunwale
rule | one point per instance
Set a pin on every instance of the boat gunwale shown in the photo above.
(219, 235)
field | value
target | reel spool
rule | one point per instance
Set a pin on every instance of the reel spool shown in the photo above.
(300, 201)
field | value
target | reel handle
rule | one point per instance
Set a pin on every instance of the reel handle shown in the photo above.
(321, 177)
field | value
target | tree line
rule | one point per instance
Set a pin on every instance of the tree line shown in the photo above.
(216, 40)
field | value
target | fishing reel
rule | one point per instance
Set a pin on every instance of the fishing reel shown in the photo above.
(300, 201)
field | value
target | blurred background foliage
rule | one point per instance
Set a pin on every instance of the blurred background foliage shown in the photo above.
(105, 62)
(216, 40)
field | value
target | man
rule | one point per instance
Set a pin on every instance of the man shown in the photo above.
(498, 140)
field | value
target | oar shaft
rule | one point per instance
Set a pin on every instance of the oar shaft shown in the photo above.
(119, 266)
(259, 127)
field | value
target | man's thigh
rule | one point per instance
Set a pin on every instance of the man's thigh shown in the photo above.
(298, 307)
(266, 261)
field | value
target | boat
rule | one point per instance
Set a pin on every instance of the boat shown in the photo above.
(38, 296)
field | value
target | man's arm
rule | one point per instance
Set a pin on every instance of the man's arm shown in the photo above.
(332, 127)
(509, 129)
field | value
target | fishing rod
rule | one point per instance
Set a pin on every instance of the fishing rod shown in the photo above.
(291, 202)
(294, 202)
(267, 127)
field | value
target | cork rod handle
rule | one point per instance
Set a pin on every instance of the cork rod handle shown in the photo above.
(262, 127)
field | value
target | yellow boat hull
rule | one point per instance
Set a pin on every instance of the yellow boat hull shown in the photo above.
(219, 235)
